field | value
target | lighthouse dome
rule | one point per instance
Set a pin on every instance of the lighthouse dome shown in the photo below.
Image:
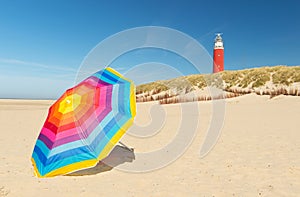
(218, 38)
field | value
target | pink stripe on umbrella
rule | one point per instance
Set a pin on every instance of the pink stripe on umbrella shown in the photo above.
(48, 133)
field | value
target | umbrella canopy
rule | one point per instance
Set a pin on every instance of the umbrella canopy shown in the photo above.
(84, 124)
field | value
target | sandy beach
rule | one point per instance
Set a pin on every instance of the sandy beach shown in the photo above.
(257, 153)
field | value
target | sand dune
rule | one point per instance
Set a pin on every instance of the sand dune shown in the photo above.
(272, 81)
(257, 153)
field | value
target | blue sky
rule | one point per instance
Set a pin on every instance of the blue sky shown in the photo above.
(43, 43)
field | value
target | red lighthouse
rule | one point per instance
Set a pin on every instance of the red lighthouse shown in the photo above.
(218, 54)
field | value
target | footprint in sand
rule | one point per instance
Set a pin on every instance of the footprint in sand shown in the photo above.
(3, 191)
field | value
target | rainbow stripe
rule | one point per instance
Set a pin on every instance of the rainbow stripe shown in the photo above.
(84, 124)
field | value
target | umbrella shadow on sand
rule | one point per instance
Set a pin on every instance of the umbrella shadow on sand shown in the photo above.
(117, 156)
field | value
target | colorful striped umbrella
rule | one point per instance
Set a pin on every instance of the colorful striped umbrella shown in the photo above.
(84, 124)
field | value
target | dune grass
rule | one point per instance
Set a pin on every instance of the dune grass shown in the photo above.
(248, 78)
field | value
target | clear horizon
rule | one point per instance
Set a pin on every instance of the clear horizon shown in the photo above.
(44, 43)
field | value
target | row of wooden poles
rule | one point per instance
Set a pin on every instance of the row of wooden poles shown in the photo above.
(181, 98)
(292, 91)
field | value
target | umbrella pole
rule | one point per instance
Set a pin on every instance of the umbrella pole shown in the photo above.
(131, 149)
